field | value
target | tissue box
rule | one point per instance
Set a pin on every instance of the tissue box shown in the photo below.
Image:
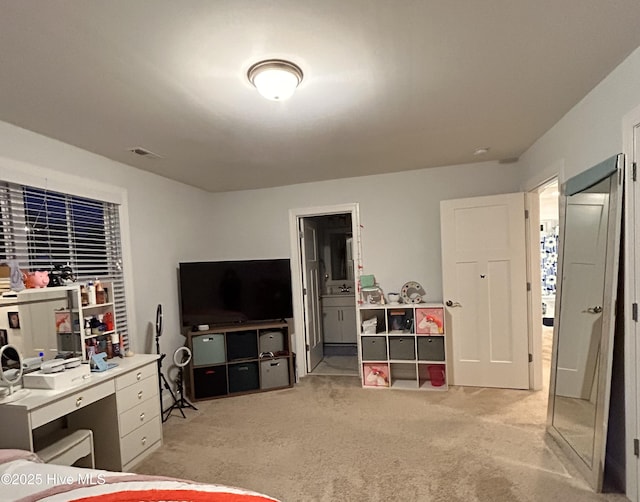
(54, 381)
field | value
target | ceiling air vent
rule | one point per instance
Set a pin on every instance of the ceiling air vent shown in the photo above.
(143, 152)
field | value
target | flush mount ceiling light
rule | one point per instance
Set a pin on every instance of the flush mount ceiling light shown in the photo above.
(275, 79)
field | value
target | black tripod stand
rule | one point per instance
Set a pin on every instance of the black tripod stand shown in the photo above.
(181, 358)
(162, 381)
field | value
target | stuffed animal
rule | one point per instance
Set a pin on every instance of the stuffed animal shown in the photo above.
(37, 279)
(377, 378)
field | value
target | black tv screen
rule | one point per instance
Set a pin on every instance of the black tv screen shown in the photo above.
(222, 292)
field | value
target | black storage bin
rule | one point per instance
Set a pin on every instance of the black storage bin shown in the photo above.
(374, 348)
(244, 377)
(402, 347)
(431, 348)
(242, 345)
(209, 381)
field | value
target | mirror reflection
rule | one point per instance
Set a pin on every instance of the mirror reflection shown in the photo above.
(580, 320)
(340, 248)
(29, 322)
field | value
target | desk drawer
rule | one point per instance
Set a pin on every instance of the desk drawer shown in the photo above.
(71, 403)
(134, 394)
(138, 415)
(137, 375)
(139, 440)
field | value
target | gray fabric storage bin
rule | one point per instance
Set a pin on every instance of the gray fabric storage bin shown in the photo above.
(431, 348)
(208, 349)
(271, 341)
(402, 347)
(374, 348)
(274, 373)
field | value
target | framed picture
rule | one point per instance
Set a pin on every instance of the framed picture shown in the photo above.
(63, 322)
(14, 320)
(4, 338)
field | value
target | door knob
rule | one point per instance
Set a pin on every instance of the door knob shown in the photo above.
(595, 310)
(449, 303)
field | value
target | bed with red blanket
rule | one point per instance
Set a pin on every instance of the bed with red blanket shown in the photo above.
(25, 478)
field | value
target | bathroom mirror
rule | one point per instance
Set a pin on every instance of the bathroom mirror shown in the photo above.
(590, 226)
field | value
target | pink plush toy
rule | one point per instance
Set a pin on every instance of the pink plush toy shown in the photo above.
(36, 279)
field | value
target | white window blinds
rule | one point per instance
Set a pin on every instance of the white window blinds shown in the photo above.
(41, 229)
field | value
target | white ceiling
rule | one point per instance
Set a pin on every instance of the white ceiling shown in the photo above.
(388, 86)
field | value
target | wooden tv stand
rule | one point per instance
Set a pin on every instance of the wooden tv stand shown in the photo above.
(237, 359)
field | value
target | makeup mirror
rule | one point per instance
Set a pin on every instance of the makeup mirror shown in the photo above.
(29, 319)
(10, 374)
(579, 390)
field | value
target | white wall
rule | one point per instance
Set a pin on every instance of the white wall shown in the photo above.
(164, 221)
(590, 132)
(170, 222)
(400, 215)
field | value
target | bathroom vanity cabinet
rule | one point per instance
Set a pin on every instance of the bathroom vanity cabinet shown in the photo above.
(339, 323)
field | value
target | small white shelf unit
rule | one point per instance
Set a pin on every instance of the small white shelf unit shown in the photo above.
(77, 339)
(403, 346)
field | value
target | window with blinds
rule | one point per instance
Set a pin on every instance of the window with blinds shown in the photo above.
(41, 229)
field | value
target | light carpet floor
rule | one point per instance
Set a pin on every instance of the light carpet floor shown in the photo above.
(327, 439)
(337, 365)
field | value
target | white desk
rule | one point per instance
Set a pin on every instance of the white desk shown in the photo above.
(121, 406)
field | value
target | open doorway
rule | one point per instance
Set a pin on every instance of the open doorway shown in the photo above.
(326, 257)
(335, 349)
(549, 229)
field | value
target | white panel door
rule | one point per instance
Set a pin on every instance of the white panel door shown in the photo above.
(485, 290)
(311, 285)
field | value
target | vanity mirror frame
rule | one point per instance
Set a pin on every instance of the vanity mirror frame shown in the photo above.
(37, 332)
(613, 167)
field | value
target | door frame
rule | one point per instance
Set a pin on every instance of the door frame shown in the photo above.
(631, 292)
(532, 203)
(534, 296)
(295, 215)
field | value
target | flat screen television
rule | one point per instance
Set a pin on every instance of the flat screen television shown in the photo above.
(223, 292)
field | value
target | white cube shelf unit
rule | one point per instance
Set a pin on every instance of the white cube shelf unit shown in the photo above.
(402, 346)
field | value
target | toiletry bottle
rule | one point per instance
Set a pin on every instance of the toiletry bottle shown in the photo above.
(102, 327)
(91, 292)
(87, 326)
(100, 294)
(109, 348)
(91, 350)
(108, 321)
(84, 296)
(115, 345)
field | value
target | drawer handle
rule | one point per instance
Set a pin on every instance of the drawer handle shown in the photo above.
(144, 440)
(79, 402)
(141, 417)
(140, 395)
(139, 375)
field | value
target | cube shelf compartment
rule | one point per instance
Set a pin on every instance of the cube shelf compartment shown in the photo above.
(405, 348)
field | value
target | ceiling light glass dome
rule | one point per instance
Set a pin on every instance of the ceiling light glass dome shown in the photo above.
(275, 79)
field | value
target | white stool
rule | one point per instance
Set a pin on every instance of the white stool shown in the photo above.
(70, 449)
